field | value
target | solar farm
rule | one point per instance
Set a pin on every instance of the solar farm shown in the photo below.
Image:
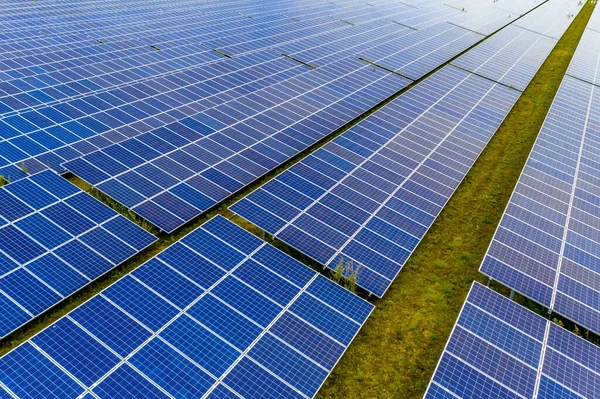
(302, 199)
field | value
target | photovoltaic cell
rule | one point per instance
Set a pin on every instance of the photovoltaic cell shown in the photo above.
(369, 196)
(54, 240)
(500, 349)
(264, 323)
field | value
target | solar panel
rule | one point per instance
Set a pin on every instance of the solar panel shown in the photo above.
(500, 349)
(370, 195)
(55, 239)
(415, 55)
(483, 20)
(546, 246)
(585, 64)
(219, 313)
(511, 57)
(552, 18)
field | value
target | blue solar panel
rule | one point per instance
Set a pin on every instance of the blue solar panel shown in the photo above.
(500, 349)
(58, 240)
(370, 195)
(585, 61)
(551, 19)
(263, 324)
(415, 55)
(511, 57)
(546, 246)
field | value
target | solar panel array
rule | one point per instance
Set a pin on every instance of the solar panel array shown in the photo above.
(54, 239)
(514, 55)
(171, 108)
(227, 136)
(552, 18)
(547, 245)
(500, 349)
(219, 313)
(370, 195)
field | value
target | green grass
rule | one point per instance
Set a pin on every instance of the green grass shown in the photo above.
(397, 350)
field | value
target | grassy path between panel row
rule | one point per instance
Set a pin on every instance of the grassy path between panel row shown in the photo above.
(397, 350)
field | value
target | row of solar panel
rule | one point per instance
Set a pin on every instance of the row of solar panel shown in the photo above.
(369, 196)
(500, 349)
(547, 245)
(54, 239)
(218, 312)
(585, 64)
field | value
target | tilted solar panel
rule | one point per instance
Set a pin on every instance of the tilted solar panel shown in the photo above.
(416, 55)
(169, 178)
(552, 18)
(500, 349)
(220, 311)
(55, 239)
(511, 57)
(370, 195)
(585, 64)
(547, 245)
(483, 19)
